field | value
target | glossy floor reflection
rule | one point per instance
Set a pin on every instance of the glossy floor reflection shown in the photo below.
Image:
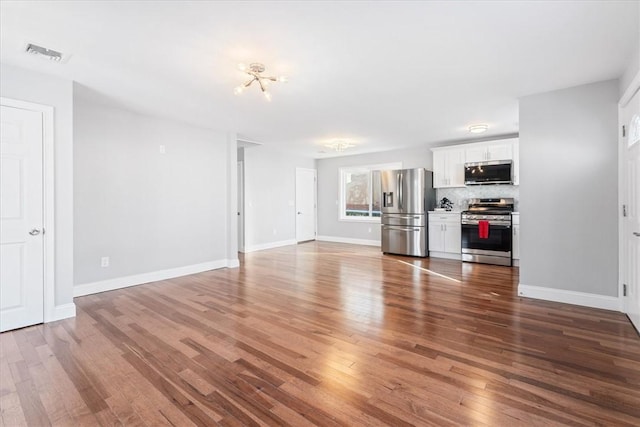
(325, 334)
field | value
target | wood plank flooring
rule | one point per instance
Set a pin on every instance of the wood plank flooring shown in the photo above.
(325, 334)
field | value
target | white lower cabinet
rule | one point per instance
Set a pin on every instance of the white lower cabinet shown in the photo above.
(445, 234)
(515, 241)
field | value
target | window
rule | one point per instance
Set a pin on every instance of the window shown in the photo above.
(361, 192)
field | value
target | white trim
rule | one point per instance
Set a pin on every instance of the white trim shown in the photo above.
(61, 312)
(48, 176)
(139, 279)
(233, 263)
(349, 240)
(271, 245)
(446, 255)
(569, 297)
(631, 90)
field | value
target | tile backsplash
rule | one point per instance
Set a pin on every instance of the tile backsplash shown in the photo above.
(460, 195)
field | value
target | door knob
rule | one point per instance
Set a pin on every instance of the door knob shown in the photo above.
(34, 232)
(635, 233)
(299, 213)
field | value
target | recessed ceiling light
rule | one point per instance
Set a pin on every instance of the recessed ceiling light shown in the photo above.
(43, 51)
(479, 128)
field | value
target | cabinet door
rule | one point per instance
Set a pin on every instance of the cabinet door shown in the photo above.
(455, 168)
(436, 240)
(439, 169)
(476, 153)
(453, 238)
(500, 151)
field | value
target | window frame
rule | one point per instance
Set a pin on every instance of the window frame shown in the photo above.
(342, 174)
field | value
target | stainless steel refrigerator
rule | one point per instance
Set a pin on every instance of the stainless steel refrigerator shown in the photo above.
(407, 196)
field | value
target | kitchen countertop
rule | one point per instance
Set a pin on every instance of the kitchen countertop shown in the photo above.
(445, 212)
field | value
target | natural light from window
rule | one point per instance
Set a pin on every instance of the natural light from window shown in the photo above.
(361, 192)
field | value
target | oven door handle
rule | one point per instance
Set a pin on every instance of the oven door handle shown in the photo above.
(497, 224)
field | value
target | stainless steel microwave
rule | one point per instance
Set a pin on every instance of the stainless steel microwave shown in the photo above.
(490, 172)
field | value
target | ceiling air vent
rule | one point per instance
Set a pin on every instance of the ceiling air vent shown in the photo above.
(47, 53)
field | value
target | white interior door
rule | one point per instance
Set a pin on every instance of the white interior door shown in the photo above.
(241, 206)
(305, 204)
(630, 116)
(21, 218)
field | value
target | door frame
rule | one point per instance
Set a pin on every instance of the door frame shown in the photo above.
(315, 202)
(48, 196)
(241, 224)
(631, 90)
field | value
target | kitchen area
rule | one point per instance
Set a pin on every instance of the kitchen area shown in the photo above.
(470, 206)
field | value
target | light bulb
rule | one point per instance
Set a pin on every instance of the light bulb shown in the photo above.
(283, 79)
(238, 90)
(267, 95)
(242, 67)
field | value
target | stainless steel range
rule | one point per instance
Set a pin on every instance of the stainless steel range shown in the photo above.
(486, 231)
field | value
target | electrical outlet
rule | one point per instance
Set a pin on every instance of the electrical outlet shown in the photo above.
(104, 261)
(163, 149)
(275, 231)
(369, 229)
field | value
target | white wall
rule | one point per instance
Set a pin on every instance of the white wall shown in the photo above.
(146, 211)
(270, 178)
(25, 85)
(633, 68)
(328, 190)
(568, 190)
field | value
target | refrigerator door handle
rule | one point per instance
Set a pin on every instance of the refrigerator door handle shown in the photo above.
(395, 228)
(400, 191)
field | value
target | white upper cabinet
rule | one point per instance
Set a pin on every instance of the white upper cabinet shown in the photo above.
(494, 150)
(448, 167)
(448, 162)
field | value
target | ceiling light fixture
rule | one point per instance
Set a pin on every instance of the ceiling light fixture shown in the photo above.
(339, 145)
(255, 70)
(47, 53)
(480, 128)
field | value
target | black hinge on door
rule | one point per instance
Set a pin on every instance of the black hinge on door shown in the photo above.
(624, 289)
(624, 131)
(624, 210)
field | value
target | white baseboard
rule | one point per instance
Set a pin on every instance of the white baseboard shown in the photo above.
(337, 239)
(270, 245)
(60, 312)
(446, 255)
(139, 279)
(233, 263)
(570, 297)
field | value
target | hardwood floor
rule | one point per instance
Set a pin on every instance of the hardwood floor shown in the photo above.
(325, 334)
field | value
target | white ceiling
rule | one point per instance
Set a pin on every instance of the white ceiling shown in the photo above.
(381, 74)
